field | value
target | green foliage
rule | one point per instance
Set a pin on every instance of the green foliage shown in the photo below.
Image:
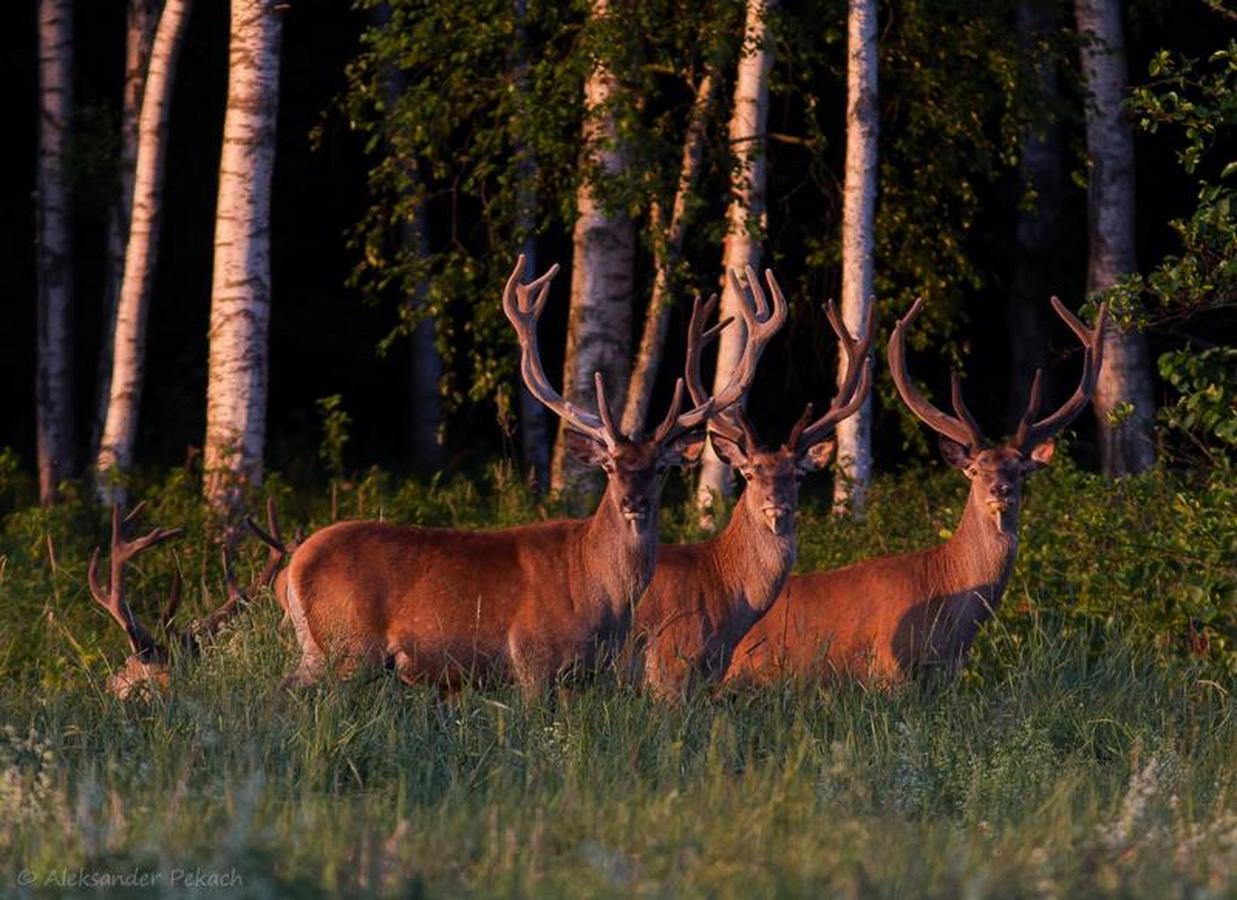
(1205, 411)
(474, 116)
(335, 424)
(1198, 100)
(1088, 749)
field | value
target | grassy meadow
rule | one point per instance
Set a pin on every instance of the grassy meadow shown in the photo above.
(1089, 749)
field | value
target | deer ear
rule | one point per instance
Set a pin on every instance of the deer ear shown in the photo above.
(728, 451)
(818, 456)
(955, 454)
(1040, 456)
(684, 450)
(585, 449)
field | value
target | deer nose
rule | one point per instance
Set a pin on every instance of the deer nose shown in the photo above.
(1002, 490)
(635, 507)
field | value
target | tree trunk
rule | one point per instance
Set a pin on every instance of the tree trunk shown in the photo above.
(534, 427)
(599, 323)
(139, 35)
(745, 214)
(669, 247)
(141, 255)
(1041, 171)
(854, 434)
(241, 281)
(54, 383)
(1124, 386)
(425, 370)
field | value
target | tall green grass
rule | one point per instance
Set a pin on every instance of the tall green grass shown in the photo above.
(1089, 749)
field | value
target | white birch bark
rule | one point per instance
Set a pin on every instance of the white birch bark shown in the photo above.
(54, 377)
(139, 35)
(241, 281)
(599, 321)
(141, 255)
(745, 215)
(670, 246)
(854, 434)
(1125, 379)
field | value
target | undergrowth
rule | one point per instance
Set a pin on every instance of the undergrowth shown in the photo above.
(1088, 750)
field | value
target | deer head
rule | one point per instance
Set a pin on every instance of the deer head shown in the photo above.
(773, 475)
(997, 473)
(634, 463)
(149, 665)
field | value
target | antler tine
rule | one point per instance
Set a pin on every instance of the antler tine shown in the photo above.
(672, 415)
(1030, 433)
(113, 599)
(962, 412)
(173, 601)
(855, 383)
(944, 424)
(800, 426)
(523, 305)
(762, 322)
(603, 409)
(823, 427)
(697, 339)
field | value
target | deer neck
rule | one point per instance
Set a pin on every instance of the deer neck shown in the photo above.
(979, 558)
(752, 561)
(616, 558)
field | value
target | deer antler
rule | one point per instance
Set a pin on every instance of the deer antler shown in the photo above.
(277, 549)
(1031, 433)
(761, 322)
(523, 304)
(960, 427)
(856, 383)
(113, 599)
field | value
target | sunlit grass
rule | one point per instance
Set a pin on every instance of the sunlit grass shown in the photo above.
(1086, 751)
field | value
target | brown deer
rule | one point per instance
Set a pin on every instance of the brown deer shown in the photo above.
(149, 665)
(884, 620)
(705, 596)
(521, 604)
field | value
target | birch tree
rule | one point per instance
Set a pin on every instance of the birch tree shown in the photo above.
(141, 17)
(854, 434)
(141, 254)
(668, 246)
(54, 379)
(603, 250)
(1124, 404)
(745, 213)
(241, 280)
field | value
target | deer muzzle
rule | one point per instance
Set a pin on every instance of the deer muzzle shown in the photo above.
(778, 518)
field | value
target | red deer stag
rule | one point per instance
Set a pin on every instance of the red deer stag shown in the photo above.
(520, 604)
(705, 596)
(149, 665)
(883, 621)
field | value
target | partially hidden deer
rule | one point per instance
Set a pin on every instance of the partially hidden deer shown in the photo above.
(705, 596)
(148, 667)
(884, 621)
(521, 604)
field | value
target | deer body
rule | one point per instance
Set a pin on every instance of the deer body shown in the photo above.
(521, 604)
(885, 620)
(705, 596)
(881, 621)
